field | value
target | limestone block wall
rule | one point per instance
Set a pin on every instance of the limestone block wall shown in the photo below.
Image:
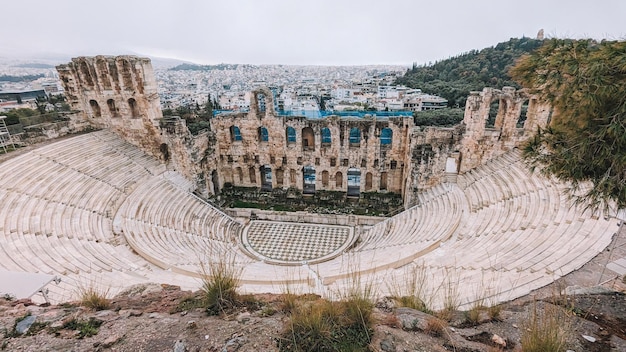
(249, 144)
(118, 93)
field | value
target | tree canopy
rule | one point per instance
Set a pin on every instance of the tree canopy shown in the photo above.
(455, 77)
(585, 143)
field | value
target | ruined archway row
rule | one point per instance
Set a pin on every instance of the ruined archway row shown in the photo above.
(285, 148)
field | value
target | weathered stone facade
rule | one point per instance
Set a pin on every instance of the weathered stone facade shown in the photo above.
(118, 93)
(263, 149)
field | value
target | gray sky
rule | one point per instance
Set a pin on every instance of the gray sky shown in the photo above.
(319, 32)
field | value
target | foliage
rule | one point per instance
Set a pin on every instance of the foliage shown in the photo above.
(455, 77)
(544, 330)
(220, 280)
(94, 297)
(585, 143)
(26, 78)
(86, 328)
(440, 117)
(323, 325)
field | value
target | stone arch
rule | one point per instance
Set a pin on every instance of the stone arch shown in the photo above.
(326, 136)
(308, 179)
(308, 139)
(103, 73)
(252, 174)
(263, 134)
(494, 108)
(112, 108)
(383, 181)
(290, 135)
(266, 177)
(239, 173)
(368, 181)
(134, 109)
(127, 77)
(280, 177)
(215, 182)
(85, 73)
(325, 178)
(355, 136)
(354, 182)
(523, 114)
(95, 108)
(235, 134)
(339, 180)
(386, 136)
(292, 177)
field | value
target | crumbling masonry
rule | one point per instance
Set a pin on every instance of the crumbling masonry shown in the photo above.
(262, 149)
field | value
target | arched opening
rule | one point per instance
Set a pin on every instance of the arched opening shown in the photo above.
(127, 75)
(280, 177)
(260, 100)
(354, 182)
(263, 134)
(215, 182)
(383, 181)
(266, 178)
(368, 181)
(325, 178)
(386, 135)
(308, 180)
(95, 108)
(103, 74)
(112, 108)
(338, 180)
(252, 175)
(84, 70)
(355, 137)
(494, 106)
(523, 115)
(235, 134)
(308, 139)
(502, 107)
(134, 110)
(239, 173)
(326, 137)
(290, 135)
(292, 177)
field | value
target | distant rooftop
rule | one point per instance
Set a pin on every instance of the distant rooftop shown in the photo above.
(317, 114)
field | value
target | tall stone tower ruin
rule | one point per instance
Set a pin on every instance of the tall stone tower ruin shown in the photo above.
(118, 93)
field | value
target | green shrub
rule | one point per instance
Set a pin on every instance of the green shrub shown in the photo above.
(220, 280)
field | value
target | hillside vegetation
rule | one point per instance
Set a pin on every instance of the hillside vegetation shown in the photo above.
(455, 77)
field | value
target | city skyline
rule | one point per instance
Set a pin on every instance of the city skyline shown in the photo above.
(292, 33)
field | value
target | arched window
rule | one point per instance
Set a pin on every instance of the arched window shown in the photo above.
(260, 99)
(326, 139)
(134, 110)
(368, 181)
(325, 178)
(252, 174)
(386, 135)
(263, 135)
(355, 136)
(291, 135)
(338, 180)
(383, 181)
(354, 182)
(95, 108)
(308, 179)
(112, 108)
(266, 178)
(239, 173)
(308, 139)
(235, 134)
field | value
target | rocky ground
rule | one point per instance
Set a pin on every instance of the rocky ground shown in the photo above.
(151, 318)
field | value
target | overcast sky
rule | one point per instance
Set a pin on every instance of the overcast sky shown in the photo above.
(318, 32)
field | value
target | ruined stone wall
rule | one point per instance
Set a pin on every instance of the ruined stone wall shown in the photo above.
(481, 143)
(324, 145)
(118, 93)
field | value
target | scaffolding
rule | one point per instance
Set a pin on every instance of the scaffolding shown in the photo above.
(5, 135)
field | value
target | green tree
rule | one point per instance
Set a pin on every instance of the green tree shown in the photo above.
(585, 142)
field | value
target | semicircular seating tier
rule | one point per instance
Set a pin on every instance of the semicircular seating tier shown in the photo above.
(94, 208)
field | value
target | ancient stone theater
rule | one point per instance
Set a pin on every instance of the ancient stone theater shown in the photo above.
(127, 200)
